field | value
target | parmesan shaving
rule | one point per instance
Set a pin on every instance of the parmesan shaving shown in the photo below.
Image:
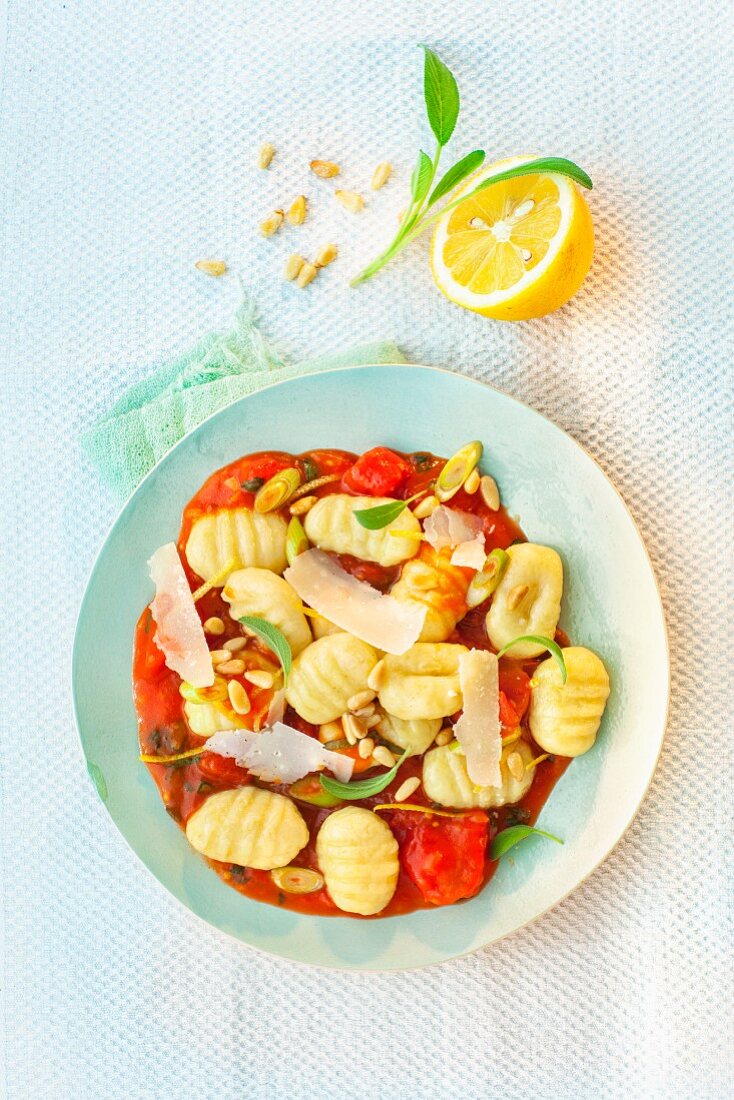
(280, 754)
(179, 633)
(478, 729)
(470, 554)
(450, 527)
(361, 610)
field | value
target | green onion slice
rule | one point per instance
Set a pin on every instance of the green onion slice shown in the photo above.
(295, 540)
(537, 639)
(486, 581)
(297, 880)
(279, 489)
(457, 470)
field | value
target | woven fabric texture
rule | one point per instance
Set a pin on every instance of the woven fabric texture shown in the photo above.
(128, 142)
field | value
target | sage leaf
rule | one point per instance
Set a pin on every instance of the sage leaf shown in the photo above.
(508, 838)
(420, 181)
(441, 95)
(538, 639)
(362, 788)
(382, 514)
(456, 174)
(273, 639)
(560, 165)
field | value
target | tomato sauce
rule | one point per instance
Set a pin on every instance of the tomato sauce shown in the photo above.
(162, 729)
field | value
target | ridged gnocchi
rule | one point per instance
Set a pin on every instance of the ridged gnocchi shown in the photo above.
(236, 535)
(261, 593)
(433, 582)
(527, 599)
(327, 674)
(204, 719)
(323, 627)
(446, 780)
(248, 826)
(413, 734)
(564, 718)
(330, 525)
(358, 857)
(422, 683)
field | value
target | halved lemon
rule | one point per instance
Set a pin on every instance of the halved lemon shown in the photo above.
(518, 249)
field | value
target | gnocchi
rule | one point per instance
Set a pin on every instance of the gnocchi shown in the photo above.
(433, 582)
(330, 525)
(446, 780)
(564, 718)
(414, 735)
(204, 719)
(261, 593)
(422, 683)
(248, 826)
(358, 856)
(327, 674)
(527, 599)
(236, 535)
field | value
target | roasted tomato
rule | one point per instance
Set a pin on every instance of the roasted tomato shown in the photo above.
(377, 473)
(444, 856)
(515, 686)
(222, 770)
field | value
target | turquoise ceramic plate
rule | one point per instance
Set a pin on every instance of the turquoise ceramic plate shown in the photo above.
(611, 604)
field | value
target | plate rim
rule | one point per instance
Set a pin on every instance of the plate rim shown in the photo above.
(347, 369)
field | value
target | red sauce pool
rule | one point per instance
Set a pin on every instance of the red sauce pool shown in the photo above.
(162, 729)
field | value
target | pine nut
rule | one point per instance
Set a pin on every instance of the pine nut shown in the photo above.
(472, 482)
(373, 721)
(350, 200)
(353, 728)
(375, 677)
(238, 697)
(406, 789)
(366, 748)
(272, 223)
(365, 712)
(234, 645)
(267, 152)
(383, 756)
(326, 255)
(324, 169)
(426, 507)
(219, 655)
(297, 213)
(260, 677)
(330, 731)
(211, 267)
(515, 765)
(348, 731)
(292, 267)
(361, 699)
(516, 596)
(231, 668)
(381, 175)
(444, 736)
(306, 275)
(490, 492)
(300, 507)
(215, 625)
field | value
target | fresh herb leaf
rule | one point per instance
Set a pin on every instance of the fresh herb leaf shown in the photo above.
(456, 174)
(382, 514)
(274, 639)
(441, 95)
(560, 165)
(253, 484)
(420, 181)
(538, 639)
(362, 788)
(508, 838)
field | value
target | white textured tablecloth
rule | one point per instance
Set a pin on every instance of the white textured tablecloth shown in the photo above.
(128, 135)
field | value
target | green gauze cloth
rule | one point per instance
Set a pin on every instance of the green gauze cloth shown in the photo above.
(154, 414)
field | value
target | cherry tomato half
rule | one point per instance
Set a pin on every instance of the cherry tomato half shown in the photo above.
(377, 473)
(222, 770)
(444, 856)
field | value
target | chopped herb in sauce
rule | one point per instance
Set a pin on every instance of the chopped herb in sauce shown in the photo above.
(253, 484)
(310, 469)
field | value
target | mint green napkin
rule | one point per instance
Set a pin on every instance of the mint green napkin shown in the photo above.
(154, 414)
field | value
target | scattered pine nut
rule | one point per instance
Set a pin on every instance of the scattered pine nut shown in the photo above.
(324, 169)
(300, 507)
(350, 200)
(354, 728)
(211, 267)
(267, 152)
(490, 492)
(515, 766)
(330, 731)
(365, 712)
(272, 223)
(366, 748)
(361, 699)
(516, 596)
(349, 732)
(238, 697)
(260, 677)
(219, 655)
(381, 175)
(231, 668)
(373, 721)
(215, 625)
(472, 482)
(292, 267)
(444, 736)
(426, 507)
(306, 275)
(383, 756)
(297, 213)
(326, 255)
(234, 645)
(406, 789)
